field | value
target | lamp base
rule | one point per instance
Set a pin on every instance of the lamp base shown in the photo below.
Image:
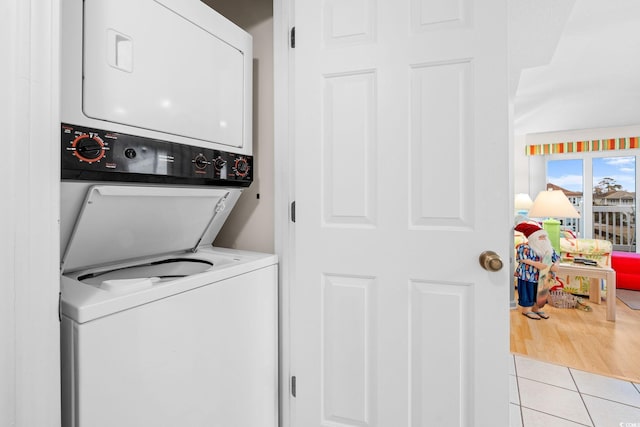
(552, 227)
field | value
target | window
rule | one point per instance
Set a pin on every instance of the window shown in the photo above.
(567, 175)
(614, 216)
(611, 205)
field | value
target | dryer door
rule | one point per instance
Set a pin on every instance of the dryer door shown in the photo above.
(153, 66)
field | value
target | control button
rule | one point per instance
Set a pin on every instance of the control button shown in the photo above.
(241, 167)
(219, 163)
(200, 161)
(88, 148)
(130, 153)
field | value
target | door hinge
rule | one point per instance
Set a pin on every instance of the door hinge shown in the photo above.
(293, 386)
(293, 211)
(293, 37)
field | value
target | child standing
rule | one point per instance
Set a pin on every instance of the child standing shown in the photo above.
(533, 257)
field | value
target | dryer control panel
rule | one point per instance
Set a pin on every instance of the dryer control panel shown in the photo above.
(100, 155)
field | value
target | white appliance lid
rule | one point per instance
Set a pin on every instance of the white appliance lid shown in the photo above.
(123, 222)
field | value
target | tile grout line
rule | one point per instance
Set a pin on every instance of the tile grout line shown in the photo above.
(558, 417)
(520, 406)
(515, 370)
(577, 390)
(582, 398)
(610, 400)
(551, 385)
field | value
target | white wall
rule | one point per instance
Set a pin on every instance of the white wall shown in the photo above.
(520, 166)
(251, 225)
(529, 171)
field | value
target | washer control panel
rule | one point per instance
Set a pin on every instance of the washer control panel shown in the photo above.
(96, 154)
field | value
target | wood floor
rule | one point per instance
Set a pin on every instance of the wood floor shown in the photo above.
(582, 340)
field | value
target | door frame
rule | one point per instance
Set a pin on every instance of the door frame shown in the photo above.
(284, 192)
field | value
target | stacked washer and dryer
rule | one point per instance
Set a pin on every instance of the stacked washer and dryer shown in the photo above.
(159, 328)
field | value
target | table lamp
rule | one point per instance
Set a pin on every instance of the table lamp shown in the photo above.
(552, 204)
(522, 203)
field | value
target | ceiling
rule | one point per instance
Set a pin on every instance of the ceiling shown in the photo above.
(574, 64)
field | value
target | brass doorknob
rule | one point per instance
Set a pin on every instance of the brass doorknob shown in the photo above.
(490, 261)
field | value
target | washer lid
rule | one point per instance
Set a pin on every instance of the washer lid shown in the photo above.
(118, 223)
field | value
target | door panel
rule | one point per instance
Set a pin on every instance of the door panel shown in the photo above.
(440, 94)
(348, 349)
(349, 116)
(443, 369)
(401, 170)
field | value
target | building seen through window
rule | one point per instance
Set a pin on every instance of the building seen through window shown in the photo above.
(612, 200)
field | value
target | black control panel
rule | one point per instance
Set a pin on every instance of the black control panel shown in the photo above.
(99, 155)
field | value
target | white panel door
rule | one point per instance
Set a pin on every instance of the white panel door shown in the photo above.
(401, 180)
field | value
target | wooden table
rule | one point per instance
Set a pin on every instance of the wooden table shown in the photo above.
(594, 273)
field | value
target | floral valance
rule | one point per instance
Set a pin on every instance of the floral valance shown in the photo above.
(583, 146)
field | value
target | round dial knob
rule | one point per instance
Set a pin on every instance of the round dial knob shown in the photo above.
(200, 161)
(88, 148)
(219, 163)
(241, 166)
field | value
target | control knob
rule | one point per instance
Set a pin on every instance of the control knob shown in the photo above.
(200, 161)
(88, 148)
(241, 167)
(219, 163)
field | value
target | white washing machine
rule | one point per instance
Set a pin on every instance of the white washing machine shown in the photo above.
(158, 327)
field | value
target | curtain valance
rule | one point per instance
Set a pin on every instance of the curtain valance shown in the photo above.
(583, 146)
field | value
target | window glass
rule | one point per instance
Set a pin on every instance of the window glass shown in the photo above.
(614, 192)
(567, 175)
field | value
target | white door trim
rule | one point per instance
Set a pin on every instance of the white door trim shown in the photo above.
(29, 190)
(284, 189)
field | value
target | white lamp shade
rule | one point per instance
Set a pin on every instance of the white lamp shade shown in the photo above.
(523, 201)
(552, 203)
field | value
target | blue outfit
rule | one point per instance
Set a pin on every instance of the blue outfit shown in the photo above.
(528, 275)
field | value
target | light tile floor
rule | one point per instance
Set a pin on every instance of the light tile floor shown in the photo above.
(547, 395)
